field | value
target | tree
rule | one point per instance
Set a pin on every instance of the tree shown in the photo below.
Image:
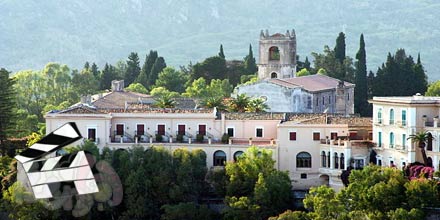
(84, 83)
(137, 87)
(340, 47)
(108, 74)
(172, 80)
(433, 89)
(95, 71)
(256, 190)
(187, 210)
(420, 139)
(197, 89)
(250, 64)
(257, 105)
(303, 72)
(133, 69)
(333, 67)
(7, 106)
(361, 90)
(210, 68)
(163, 97)
(146, 68)
(158, 66)
(399, 76)
(239, 103)
(221, 53)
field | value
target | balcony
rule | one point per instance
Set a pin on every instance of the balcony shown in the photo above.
(401, 124)
(378, 122)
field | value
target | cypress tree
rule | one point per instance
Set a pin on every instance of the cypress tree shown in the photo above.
(107, 75)
(7, 105)
(94, 70)
(221, 53)
(307, 64)
(361, 89)
(146, 68)
(133, 69)
(158, 66)
(86, 65)
(340, 47)
(250, 64)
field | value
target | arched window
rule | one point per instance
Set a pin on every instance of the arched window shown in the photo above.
(336, 158)
(391, 140)
(274, 53)
(273, 75)
(379, 116)
(429, 145)
(219, 158)
(403, 117)
(303, 160)
(342, 161)
(323, 159)
(237, 155)
(328, 159)
(391, 116)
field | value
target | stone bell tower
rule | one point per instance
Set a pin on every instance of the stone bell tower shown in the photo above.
(277, 55)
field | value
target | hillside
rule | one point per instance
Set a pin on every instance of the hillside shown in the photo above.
(72, 32)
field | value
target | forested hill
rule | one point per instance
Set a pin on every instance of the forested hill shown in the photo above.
(35, 32)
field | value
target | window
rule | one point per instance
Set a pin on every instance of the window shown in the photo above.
(391, 116)
(140, 129)
(333, 135)
(119, 129)
(342, 161)
(391, 139)
(316, 136)
(317, 101)
(329, 100)
(259, 132)
(273, 75)
(328, 159)
(403, 141)
(230, 132)
(379, 139)
(219, 158)
(303, 175)
(91, 134)
(303, 160)
(336, 159)
(348, 96)
(161, 129)
(181, 129)
(403, 117)
(358, 163)
(292, 136)
(237, 155)
(202, 130)
(379, 116)
(429, 145)
(323, 159)
(274, 53)
(309, 102)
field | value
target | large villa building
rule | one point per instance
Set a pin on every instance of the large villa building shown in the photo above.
(310, 129)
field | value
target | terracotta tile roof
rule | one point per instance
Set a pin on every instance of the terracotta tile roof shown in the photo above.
(307, 118)
(278, 35)
(321, 118)
(351, 121)
(311, 83)
(79, 109)
(254, 116)
(118, 99)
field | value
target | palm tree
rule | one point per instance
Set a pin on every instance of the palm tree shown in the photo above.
(239, 103)
(257, 105)
(420, 138)
(214, 101)
(165, 101)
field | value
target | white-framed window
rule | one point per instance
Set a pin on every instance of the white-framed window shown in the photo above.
(120, 129)
(379, 116)
(391, 117)
(140, 129)
(259, 132)
(230, 131)
(292, 135)
(91, 134)
(403, 117)
(379, 139)
(403, 141)
(391, 140)
(303, 160)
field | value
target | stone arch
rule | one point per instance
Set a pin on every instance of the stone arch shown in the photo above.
(219, 158)
(274, 53)
(237, 155)
(273, 75)
(324, 179)
(303, 160)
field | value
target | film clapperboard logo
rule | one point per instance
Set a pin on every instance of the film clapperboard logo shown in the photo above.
(46, 175)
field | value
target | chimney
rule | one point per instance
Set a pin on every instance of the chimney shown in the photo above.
(86, 99)
(118, 85)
